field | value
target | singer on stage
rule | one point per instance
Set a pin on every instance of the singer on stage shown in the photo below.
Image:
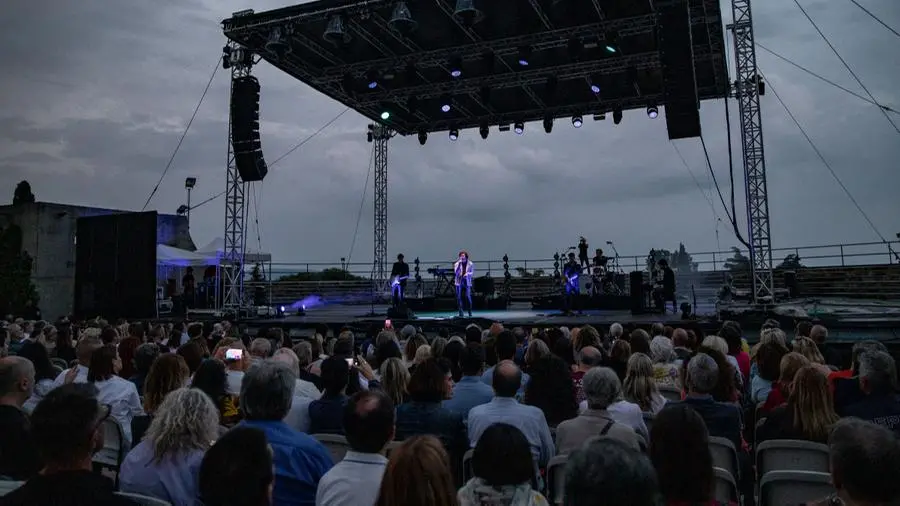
(399, 275)
(464, 272)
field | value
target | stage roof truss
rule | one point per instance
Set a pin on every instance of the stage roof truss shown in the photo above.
(488, 54)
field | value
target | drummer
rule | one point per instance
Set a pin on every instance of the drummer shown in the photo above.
(600, 261)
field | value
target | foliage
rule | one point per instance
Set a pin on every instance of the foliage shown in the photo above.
(330, 274)
(523, 273)
(791, 262)
(738, 261)
(23, 194)
(16, 288)
(256, 274)
(682, 261)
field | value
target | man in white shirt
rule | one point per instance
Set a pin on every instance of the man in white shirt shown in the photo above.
(83, 351)
(369, 427)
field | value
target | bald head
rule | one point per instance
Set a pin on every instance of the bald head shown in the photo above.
(16, 379)
(589, 356)
(818, 334)
(369, 421)
(506, 379)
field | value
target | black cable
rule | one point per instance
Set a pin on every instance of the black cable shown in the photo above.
(304, 141)
(730, 160)
(210, 199)
(362, 203)
(183, 134)
(826, 80)
(731, 218)
(876, 18)
(830, 169)
(846, 66)
(706, 196)
(256, 214)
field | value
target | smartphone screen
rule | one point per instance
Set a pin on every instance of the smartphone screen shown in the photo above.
(349, 361)
(387, 324)
(233, 355)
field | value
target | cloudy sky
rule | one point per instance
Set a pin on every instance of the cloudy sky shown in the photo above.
(96, 93)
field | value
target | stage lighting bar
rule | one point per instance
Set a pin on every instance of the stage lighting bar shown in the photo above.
(577, 121)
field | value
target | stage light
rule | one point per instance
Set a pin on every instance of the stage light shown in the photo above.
(370, 134)
(278, 43)
(548, 124)
(467, 13)
(652, 111)
(519, 128)
(456, 67)
(595, 84)
(617, 115)
(334, 31)
(401, 18)
(423, 137)
(385, 115)
(612, 43)
(372, 79)
(446, 103)
(454, 134)
(525, 56)
(484, 130)
(577, 121)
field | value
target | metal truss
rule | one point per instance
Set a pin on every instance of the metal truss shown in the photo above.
(747, 92)
(232, 262)
(380, 137)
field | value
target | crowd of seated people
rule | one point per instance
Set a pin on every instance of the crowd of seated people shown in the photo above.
(208, 414)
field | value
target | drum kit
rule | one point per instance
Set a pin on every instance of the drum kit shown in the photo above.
(602, 280)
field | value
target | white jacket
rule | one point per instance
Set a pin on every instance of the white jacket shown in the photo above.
(458, 272)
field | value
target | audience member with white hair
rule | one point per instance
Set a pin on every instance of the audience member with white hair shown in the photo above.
(665, 368)
(878, 383)
(303, 388)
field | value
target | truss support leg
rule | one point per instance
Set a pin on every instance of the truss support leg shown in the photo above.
(746, 88)
(380, 136)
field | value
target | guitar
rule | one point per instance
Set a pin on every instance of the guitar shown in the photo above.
(397, 279)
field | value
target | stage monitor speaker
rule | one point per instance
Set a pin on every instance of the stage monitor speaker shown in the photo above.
(248, 155)
(401, 313)
(676, 54)
(115, 266)
(483, 285)
(636, 279)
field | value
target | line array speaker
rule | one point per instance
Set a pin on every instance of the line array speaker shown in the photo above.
(676, 53)
(248, 155)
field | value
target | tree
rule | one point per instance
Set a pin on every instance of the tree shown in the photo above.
(330, 274)
(738, 261)
(22, 194)
(682, 261)
(16, 288)
(791, 262)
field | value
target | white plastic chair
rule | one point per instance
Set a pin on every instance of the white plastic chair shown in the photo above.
(670, 393)
(777, 488)
(467, 465)
(724, 455)
(144, 500)
(556, 479)
(337, 445)
(7, 486)
(726, 490)
(792, 455)
(114, 447)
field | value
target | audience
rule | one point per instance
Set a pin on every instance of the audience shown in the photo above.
(394, 380)
(585, 358)
(169, 373)
(369, 427)
(422, 457)
(790, 365)
(502, 470)
(19, 458)
(424, 413)
(470, 391)
(211, 378)
(878, 383)
(44, 373)
(640, 386)
(605, 472)
(665, 365)
(113, 391)
(551, 389)
(505, 349)
(84, 351)
(722, 419)
(809, 412)
(238, 470)
(326, 413)
(144, 357)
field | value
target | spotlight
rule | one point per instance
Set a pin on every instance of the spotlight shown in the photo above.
(372, 79)
(454, 134)
(401, 18)
(525, 56)
(612, 43)
(445, 103)
(550, 89)
(467, 12)
(423, 137)
(595, 84)
(519, 128)
(278, 43)
(577, 121)
(456, 67)
(385, 115)
(652, 111)
(617, 115)
(335, 32)
(548, 124)
(484, 130)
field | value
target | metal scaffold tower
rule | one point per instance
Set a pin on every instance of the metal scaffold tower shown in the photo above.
(232, 262)
(747, 91)
(379, 136)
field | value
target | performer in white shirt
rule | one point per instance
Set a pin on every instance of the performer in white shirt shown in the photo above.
(464, 272)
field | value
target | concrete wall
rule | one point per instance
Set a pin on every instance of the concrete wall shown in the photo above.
(48, 235)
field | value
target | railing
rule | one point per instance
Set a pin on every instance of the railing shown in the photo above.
(850, 254)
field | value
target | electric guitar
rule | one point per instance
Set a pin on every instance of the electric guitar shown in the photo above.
(397, 279)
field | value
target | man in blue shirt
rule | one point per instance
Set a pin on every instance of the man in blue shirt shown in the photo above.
(505, 348)
(267, 391)
(470, 391)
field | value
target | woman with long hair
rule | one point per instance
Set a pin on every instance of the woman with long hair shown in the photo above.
(418, 474)
(537, 349)
(768, 367)
(640, 387)
(212, 379)
(423, 412)
(551, 389)
(790, 365)
(394, 380)
(44, 374)
(120, 394)
(168, 373)
(166, 464)
(679, 450)
(619, 355)
(809, 412)
(65, 348)
(808, 348)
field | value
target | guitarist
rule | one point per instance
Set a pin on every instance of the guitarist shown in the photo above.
(399, 275)
(571, 273)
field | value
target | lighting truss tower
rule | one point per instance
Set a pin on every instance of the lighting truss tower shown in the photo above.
(379, 136)
(747, 92)
(232, 261)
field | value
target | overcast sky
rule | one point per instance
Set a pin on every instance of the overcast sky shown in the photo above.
(95, 94)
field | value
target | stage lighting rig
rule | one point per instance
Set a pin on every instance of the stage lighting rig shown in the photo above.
(335, 32)
(595, 84)
(525, 56)
(548, 124)
(456, 69)
(617, 115)
(372, 78)
(484, 130)
(652, 111)
(454, 134)
(519, 128)
(402, 20)
(423, 137)
(446, 103)
(577, 121)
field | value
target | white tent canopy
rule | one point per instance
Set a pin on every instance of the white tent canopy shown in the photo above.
(215, 250)
(170, 256)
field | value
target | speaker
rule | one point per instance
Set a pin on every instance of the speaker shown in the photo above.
(636, 280)
(248, 155)
(115, 266)
(676, 54)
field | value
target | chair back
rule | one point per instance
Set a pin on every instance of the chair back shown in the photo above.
(556, 480)
(58, 362)
(724, 455)
(7, 486)
(114, 446)
(467, 472)
(777, 488)
(144, 500)
(792, 455)
(336, 444)
(726, 490)
(670, 393)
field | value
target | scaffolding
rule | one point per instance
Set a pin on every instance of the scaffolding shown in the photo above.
(379, 136)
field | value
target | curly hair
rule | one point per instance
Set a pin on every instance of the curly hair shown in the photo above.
(168, 373)
(186, 420)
